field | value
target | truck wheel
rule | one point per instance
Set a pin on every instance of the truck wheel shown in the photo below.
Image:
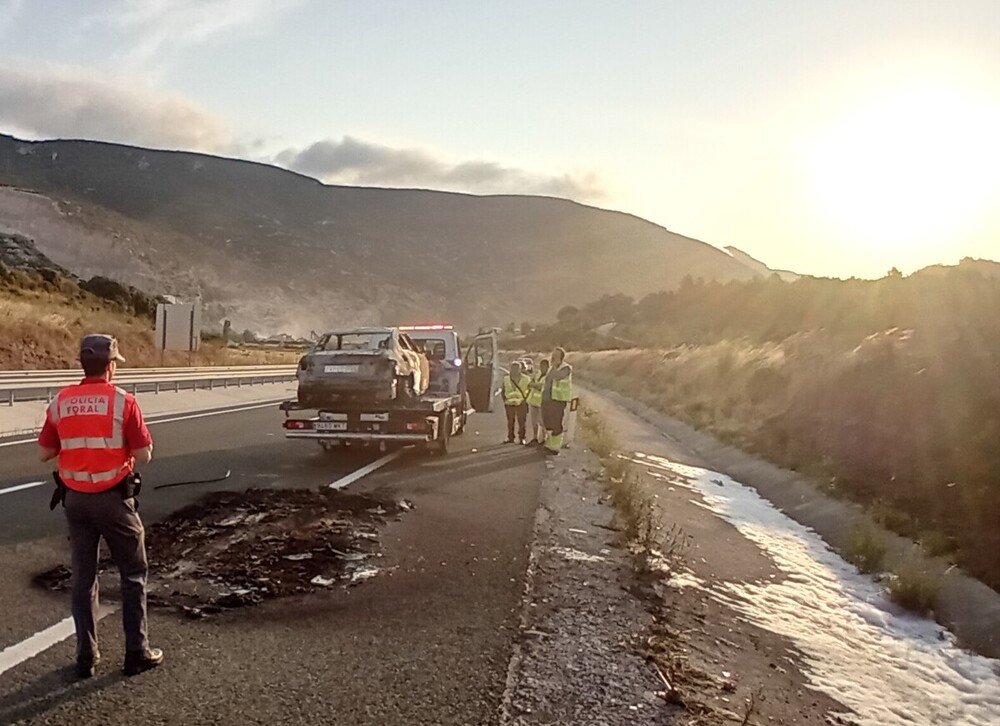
(443, 444)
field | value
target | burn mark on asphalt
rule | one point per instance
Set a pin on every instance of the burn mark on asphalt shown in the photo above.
(237, 549)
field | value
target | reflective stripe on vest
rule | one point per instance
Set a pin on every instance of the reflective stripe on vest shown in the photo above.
(94, 477)
(562, 388)
(90, 420)
(512, 395)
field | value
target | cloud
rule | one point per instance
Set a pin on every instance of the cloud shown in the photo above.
(352, 161)
(52, 101)
(155, 27)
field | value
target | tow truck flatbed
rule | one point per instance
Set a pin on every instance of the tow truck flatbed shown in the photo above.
(434, 403)
(459, 387)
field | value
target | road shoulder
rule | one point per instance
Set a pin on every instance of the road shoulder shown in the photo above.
(592, 627)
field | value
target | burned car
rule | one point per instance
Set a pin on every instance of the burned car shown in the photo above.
(366, 364)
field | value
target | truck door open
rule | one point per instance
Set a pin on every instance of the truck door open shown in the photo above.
(481, 371)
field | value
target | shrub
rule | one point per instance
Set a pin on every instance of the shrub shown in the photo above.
(914, 588)
(866, 548)
(937, 544)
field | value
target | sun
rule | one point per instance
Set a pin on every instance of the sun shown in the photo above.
(908, 170)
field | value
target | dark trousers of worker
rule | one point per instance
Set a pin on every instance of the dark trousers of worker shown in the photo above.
(519, 414)
(553, 414)
(107, 515)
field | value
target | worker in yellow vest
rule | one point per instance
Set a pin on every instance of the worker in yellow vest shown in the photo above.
(515, 401)
(535, 404)
(557, 392)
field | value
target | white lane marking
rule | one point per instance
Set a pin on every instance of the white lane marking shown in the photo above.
(182, 417)
(186, 416)
(19, 487)
(18, 653)
(366, 470)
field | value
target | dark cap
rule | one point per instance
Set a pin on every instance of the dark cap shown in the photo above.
(100, 347)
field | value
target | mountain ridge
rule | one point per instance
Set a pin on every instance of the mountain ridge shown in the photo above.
(273, 249)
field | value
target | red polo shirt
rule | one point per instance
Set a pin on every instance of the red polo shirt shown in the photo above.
(133, 426)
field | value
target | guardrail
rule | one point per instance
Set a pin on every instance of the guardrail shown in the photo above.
(20, 386)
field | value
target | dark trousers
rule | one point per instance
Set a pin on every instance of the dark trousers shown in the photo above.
(90, 517)
(519, 414)
(553, 414)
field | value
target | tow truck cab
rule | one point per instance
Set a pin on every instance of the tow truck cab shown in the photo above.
(456, 372)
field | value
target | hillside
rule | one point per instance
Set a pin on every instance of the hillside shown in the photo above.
(885, 391)
(44, 311)
(274, 250)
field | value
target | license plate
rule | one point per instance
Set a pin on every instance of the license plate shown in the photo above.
(340, 369)
(330, 426)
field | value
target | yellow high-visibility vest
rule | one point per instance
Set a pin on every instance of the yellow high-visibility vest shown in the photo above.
(514, 395)
(562, 388)
(535, 393)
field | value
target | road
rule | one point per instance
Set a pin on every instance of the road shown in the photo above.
(428, 643)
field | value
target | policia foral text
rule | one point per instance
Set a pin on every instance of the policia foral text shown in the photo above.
(98, 434)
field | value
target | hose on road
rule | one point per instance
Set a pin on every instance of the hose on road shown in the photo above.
(185, 483)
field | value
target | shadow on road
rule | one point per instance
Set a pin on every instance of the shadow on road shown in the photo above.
(50, 691)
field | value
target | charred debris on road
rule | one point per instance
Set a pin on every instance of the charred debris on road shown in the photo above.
(238, 549)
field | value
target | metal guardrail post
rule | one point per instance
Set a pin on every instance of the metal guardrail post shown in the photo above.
(10, 397)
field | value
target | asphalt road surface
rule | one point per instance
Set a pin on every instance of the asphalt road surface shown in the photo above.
(426, 642)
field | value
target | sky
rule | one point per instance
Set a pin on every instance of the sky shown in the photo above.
(830, 138)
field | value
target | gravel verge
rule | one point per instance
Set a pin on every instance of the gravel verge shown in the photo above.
(580, 657)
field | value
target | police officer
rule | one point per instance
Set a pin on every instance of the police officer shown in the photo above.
(98, 434)
(557, 391)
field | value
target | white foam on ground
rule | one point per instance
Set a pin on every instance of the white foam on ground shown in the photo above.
(890, 666)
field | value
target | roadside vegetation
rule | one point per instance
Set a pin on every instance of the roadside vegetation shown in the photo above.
(43, 314)
(636, 513)
(884, 391)
(866, 548)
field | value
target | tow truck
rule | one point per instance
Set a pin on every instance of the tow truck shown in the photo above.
(460, 384)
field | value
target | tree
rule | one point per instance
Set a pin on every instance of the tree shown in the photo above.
(568, 314)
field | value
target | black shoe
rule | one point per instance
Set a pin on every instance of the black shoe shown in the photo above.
(85, 667)
(143, 660)
(523, 442)
(509, 441)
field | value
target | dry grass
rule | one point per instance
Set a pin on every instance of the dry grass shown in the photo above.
(635, 508)
(913, 587)
(892, 422)
(866, 548)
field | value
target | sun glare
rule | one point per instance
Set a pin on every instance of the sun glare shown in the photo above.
(909, 169)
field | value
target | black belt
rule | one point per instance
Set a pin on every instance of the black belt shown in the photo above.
(129, 487)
